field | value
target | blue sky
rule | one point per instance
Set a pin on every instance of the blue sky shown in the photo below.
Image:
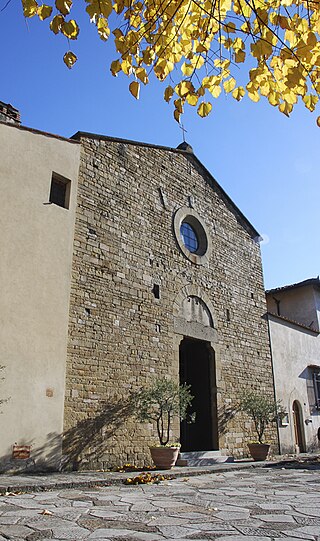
(266, 162)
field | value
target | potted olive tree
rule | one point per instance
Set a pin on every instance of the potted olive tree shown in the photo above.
(161, 403)
(263, 411)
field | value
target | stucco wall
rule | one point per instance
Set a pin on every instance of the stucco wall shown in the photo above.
(297, 304)
(316, 296)
(120, 335)
(36, 253)
(293, 350)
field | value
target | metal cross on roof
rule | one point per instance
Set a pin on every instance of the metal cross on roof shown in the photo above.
(184, 131)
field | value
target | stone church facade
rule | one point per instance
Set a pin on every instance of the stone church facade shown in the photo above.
(143, 305)
(165, 279)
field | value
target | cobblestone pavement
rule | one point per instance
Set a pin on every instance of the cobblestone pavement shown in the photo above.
(260, 504)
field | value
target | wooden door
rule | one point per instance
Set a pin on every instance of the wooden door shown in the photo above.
(298, 427)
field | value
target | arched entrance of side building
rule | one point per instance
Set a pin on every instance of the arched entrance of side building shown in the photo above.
(194, 322)
(298, 427)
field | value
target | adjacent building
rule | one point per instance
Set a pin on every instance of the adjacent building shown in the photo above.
(294, 319)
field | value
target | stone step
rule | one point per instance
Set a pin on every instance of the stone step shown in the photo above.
(202, 458)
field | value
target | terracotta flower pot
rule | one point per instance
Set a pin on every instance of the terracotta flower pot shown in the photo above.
(259, 451)
(164, 458)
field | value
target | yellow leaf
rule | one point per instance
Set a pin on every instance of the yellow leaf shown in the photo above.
(285, 108)
(117, 33)
(242, 8)
(208, 82)
(238, 93)
(240, 56)
(126, 66)
(197, 61)
(283, 22)
(274, 99)
(215, 91)
(318, 121)
(148, 56)
(179, 105)
(253, 95)
(96, 8)
(30, 8)
(238, 44)
(229, 84)
(291, 37)
(134, 88)
(204, 109)
(264, 89)
(310, 101)
(142, 75)
(226, 42)
(103, 28)
(176, 115)
(184, 88)
(70, 29)
(115, 67)
(229, 27)
(55, 24)
(118, 6)
(63, 6)
(168, 93)
(69, 59)
(44, 12)
(290, 97)
(187, 69)
(162, 68)
(192, 99)
(246, 27)
(201, 48)
(261, 49)
(224, 64)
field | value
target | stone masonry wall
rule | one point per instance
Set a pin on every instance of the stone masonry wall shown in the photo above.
(120, 335)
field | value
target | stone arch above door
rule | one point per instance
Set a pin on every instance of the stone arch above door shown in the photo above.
(194, 314)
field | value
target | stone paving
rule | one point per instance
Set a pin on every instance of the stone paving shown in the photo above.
(258, 504)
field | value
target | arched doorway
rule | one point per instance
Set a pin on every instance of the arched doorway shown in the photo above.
(197, 369)
(298, 427)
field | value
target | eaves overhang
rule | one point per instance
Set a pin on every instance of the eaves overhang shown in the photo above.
(315, 282)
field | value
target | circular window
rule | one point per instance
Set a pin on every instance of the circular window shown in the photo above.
(191, 235)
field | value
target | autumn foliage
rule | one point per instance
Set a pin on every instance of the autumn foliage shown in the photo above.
(199, 46)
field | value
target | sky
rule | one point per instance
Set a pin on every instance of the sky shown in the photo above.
(267, 163)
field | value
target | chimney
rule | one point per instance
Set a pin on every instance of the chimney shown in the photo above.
(9, 114)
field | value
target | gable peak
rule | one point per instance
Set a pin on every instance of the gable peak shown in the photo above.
(186, 147)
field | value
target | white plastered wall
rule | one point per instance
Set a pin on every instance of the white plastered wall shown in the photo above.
(293, 350)
(35, 267)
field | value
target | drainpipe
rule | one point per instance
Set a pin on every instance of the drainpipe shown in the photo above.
(273, 379)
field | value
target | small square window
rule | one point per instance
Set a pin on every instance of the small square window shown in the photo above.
(60, 191)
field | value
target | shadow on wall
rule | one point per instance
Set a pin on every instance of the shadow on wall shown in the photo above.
(224, 417)
(85, 445)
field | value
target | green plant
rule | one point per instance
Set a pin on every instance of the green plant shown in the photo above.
(262, 410)
(161, 402)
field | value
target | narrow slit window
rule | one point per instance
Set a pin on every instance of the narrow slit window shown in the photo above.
(156, 291)
(316, 386)
(60, 191)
